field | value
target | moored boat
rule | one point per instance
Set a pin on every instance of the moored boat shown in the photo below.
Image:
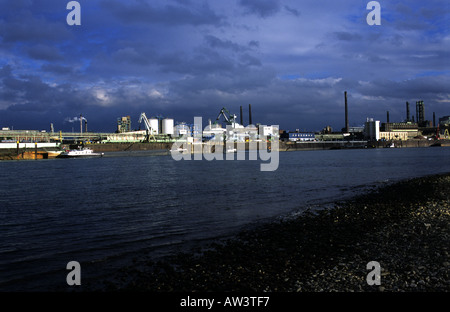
(80, 152)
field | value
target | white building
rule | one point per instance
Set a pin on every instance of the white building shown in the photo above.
(182, 129)
(270, 131)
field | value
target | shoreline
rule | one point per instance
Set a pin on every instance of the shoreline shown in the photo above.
(14, 154)
(322, 251)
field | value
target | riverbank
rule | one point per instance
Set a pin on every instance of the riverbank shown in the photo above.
(282, 146)
(29, 153)
(405, 227)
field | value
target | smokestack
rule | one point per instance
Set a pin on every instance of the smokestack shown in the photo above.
(250, 114)
(434, 120)
(81, 124)
(85, 125)
(242, 121)
(420, 112)
(346, 113)
(387, 116)
(417, 112)
(408, 118)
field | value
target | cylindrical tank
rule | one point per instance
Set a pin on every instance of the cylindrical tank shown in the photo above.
(154, 123)
(167, 126)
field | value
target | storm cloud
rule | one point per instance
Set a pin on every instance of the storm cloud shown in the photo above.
(183, 58)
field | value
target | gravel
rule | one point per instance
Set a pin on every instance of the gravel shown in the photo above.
(405, 227)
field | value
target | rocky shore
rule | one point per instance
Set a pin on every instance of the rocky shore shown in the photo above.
(405, 227)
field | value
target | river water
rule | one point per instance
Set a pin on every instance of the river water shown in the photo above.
(106, 212)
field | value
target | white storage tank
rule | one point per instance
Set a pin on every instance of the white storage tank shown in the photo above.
(154, 123)
(167, 126)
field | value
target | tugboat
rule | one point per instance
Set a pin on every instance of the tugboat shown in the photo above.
(80, 152)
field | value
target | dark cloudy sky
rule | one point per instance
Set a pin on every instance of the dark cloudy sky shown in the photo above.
(292, 60)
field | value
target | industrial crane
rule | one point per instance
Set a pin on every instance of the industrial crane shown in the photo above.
(230, 119)
(144, 118)
(148, 127)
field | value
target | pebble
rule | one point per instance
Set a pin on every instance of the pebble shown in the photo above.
(402, 226)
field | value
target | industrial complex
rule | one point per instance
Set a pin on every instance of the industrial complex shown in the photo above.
(374, 133)
(157, 132)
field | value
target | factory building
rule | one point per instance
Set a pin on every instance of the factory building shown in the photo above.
(126, 137)
(213, 132)
(123, 124)
(330, 137)
(444, 121)
(391, 135)
(389, 131)
(410, 128)
(182, 129)
(298, 136)
(270, 131)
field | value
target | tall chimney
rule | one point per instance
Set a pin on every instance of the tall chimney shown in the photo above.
(434, 119)
(387, 116)
(420, 112)
(346, 113)
(408, 118)
(250, 114)
(85, 125)
(242, 121)
(81, 124)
